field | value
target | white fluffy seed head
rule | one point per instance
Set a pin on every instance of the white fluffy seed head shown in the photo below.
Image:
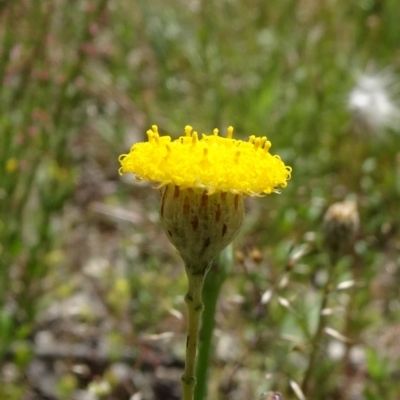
(372, 102)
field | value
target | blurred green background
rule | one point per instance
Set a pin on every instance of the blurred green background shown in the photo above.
(91, 292)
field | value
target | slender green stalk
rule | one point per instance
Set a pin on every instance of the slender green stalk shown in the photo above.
(351, 325)
(316, 340)
(210, 294)
(211, 290)
(195, 308)
(8, 40)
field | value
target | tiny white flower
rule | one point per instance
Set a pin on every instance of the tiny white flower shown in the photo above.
(372, 102)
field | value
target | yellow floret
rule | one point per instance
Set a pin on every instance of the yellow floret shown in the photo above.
(212, 163)
(11, 165)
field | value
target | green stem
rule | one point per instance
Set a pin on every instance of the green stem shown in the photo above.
(318, 334)
(195, 308)
(210, 294)
(351, 325)
(211, 290)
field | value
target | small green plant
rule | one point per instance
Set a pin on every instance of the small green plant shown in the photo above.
(204, 182)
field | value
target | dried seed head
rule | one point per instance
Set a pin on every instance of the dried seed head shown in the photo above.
(341, 223)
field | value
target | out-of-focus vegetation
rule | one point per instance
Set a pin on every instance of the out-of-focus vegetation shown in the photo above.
(90, 290)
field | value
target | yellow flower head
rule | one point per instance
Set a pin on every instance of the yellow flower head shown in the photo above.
(11, 165)
(211, 163)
